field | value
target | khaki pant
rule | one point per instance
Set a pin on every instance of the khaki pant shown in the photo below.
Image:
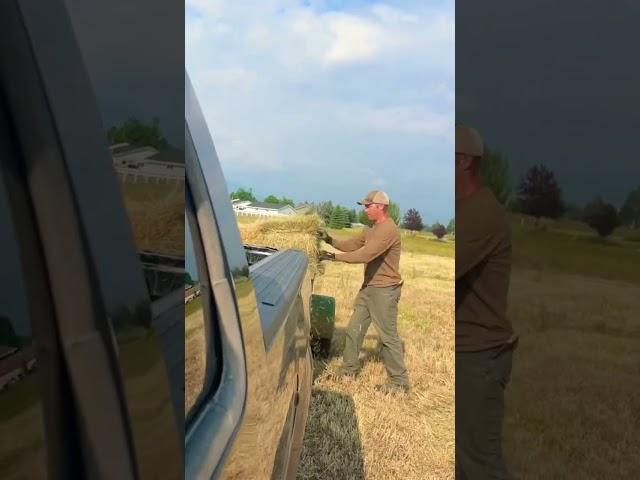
(380, 306)
(481, 380)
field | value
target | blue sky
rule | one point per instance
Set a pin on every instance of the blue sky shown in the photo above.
(326, 100)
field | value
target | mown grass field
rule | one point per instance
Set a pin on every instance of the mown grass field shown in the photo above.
(572, 405)
(194, 345)
(22, 439)
(156, 213)
(353, 432)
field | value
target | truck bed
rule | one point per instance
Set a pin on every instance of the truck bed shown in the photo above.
(276, 281)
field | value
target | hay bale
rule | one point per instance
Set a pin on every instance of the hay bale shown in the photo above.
(298, 232)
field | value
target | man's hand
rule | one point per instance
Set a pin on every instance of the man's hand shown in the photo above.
(324, 255)
(324, 236)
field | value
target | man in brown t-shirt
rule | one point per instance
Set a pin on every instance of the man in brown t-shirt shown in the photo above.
(484, 335)
(377, 300)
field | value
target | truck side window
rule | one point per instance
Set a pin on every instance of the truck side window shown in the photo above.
(195, 350)
(202, 362)
(141, 106)
(135, 70)
(22, 440)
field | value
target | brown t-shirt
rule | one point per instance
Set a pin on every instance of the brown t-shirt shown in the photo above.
(379, 248)
(483, 268)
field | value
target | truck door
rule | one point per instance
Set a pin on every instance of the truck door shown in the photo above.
(240, 428)
(103, 378)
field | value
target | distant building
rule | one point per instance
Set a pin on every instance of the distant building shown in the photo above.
(135, 164)
(15, 364)
(191, 292)
(260, 209)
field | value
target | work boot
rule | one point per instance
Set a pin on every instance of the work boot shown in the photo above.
(393, 388)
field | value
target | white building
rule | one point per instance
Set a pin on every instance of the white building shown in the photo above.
(147, 164)
(260, 209)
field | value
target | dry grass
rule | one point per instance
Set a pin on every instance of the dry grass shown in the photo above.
(575, 378)
(194, 361)
(156, 214)
(354, 432)
(574, 301)
(22, 439)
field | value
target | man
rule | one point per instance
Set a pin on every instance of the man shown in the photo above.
(484, 336)
(377, 300)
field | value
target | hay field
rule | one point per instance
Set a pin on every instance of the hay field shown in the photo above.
(22, 440)
(572, 405)
(354, 432)
(194, 345)
(156, 213)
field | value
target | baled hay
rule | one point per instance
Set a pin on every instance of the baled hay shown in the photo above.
(298, 232)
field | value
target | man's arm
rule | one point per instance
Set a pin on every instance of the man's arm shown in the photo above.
(348, 245)
(470, 252)
(378, 243)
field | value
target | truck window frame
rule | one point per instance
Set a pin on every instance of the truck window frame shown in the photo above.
(210, 433)
(213, 349)
(54, 389)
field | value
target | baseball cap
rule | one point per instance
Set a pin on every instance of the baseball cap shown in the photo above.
(468, 141)
(375, 196)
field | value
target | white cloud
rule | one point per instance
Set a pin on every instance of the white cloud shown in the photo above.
(210, 9)
(393, 15)
(233, 77)
(288, 86)
(398, 119)
(353, 39)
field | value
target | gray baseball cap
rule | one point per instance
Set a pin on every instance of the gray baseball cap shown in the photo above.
(375, 196)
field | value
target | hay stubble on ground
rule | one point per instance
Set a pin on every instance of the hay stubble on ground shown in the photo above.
(572, 404)
(355, 432)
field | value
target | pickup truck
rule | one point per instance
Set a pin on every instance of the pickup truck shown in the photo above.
(95, 359)
(248, 340)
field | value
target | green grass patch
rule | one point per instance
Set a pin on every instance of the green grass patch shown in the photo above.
(632, 236)
(426, 243)
(20, 396)
(193, 306)
(419, 242)
(575, 254)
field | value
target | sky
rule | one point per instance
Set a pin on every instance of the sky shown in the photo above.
(555, 83)
(326, 100)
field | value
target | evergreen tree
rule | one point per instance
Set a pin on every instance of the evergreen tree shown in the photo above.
(412, 220)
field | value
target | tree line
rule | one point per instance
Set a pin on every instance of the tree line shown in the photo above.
(337, 216)
(538, 194)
